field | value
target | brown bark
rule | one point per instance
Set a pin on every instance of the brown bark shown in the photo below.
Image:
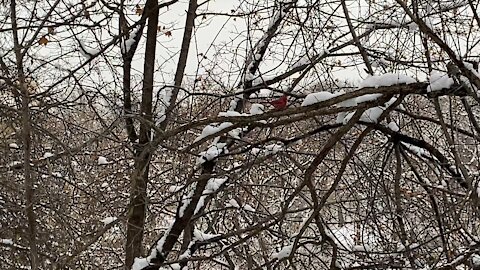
(27, 144)
(139, 178)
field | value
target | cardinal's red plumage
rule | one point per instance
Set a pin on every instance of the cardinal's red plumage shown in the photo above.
(280, 103)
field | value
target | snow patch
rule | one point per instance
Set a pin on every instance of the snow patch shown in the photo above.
(283, 253)
(140, 263)
(86, 51)
(47, 155)
(6, 241)
(127, 44)
(175, 188)
(387, 79)
(393, 126)
(232, 114)
(476, 260)
(211, 153)
(273, 148)
(201, 236)
(371, 115)
(211, 129)
(257, 109)
(366, 98)
(417, 150)
(102, 161)
(13, 146)
(438, 81)
(249, 208)
(232, 203)
(108, 220)
(317, 97)
(213, 185)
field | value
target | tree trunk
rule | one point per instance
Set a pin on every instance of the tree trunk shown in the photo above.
(139, 178)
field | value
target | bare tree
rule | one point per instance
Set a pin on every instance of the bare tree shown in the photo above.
(271, 135)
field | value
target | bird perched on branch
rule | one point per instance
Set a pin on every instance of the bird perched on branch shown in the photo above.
(280, 103)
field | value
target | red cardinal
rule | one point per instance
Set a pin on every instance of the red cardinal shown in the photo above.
(280, 103)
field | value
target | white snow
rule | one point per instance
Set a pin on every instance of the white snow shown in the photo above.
(187, 254)
(471, 68)
(249, 76)
(390, 102)
(232, 203)
(213, 185)
(186, 199)
(393, 126)
(14, 163)
(249, 208)
(476, 260)
(355, 101)
(163, 101)
(233, 104)
(6, 241)
(361, 248)
(211, 153)
(317, 97)
(386, 79)
(13, 146)
(366, 98)
(232, 114)
(414, 245)
(140, 263)
(371, 115)
(348, 103)
(127, 44)
(438, 81)
(211, 129)
(108, 220)
(417, 150)
(47, 155)
(175, 188)
(86, 51)
(257, 108)
(201, 236)
(283, 253)
(102, 161)
(273, 148)
(235, 133)
(341, 118)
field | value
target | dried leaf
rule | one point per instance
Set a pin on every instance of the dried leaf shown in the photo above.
(138, 10)
(168, 33)
(43, 41)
